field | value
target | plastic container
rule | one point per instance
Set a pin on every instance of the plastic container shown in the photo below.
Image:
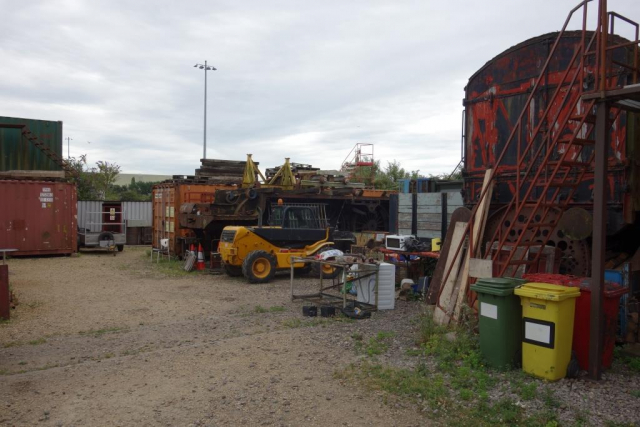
(547, 315)
(581, 328)
(499, 321)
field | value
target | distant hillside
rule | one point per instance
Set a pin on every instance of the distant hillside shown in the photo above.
(125, 178)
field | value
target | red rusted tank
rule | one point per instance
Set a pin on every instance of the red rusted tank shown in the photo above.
(38, 217)
(496, 95)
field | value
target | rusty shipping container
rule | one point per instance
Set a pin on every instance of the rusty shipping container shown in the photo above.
(38, 217)
(18, 153)
(167, 199)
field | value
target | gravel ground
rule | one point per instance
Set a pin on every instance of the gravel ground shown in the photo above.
(103, 340)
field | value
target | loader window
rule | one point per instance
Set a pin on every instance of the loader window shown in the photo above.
(298, 218)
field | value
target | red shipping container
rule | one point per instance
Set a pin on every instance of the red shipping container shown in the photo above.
(582, 320)
(38, 217)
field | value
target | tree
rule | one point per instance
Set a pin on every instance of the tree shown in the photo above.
(105, 175)
(386, 179)
(84, 178)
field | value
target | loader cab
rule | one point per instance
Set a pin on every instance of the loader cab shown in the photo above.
(298, 217)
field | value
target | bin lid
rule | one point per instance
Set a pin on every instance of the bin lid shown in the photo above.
(492, 290)
(499, 286)
(611, 289)
(501, 282)
(547, 291)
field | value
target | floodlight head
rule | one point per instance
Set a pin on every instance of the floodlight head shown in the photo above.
(195, 65)
(214, 68)
(201, 67)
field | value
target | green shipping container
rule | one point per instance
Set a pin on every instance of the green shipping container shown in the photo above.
(500, 323)
(18, 153)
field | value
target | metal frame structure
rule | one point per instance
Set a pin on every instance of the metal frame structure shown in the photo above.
(91, 239)
(322, 296)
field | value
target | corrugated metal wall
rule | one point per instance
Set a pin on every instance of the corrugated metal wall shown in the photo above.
(17, 153)
(429, 212)
(89, 213)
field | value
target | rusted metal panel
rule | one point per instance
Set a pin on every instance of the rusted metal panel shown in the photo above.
(38, 217)
(17, 153)
(496, 95)
(166, 200)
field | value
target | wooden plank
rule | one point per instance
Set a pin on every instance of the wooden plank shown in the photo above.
(460, 215)
(476, 236)
(441, 314)
(480, 268)
(483, 209)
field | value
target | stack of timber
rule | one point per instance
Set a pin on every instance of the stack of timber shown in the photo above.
(463, 247)
(214, 171)
(217, 171)
(310, 177)
(296, 168)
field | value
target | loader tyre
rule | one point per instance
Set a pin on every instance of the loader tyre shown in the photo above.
(259, 267)
(328, 272)
(232, 270)
(120, 248)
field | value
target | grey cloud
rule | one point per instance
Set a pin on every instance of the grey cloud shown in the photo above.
(304, 80)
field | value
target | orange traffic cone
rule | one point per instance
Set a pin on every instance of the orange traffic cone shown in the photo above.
(192, 249)
(200, 264)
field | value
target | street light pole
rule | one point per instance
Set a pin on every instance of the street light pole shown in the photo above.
(206, 68)
(68, 149)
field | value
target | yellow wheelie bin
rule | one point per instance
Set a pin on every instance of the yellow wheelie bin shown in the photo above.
(547, 317)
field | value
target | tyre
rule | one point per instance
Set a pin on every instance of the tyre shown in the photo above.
(232, 270)
(328, 272)
(304, 271)
(259, 267)
(120, 248)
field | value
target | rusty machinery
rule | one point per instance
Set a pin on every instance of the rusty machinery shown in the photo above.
(349, 206)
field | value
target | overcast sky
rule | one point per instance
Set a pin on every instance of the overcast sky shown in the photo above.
(299, 79)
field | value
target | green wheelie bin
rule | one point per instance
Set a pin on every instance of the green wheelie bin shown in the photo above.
(500, 321)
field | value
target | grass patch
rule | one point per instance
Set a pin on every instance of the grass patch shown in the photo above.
(631, 362)
(450, 380)
(379, 344)
(38, 341)
(635, 393)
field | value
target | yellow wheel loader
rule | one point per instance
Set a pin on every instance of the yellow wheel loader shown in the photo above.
(257, 252)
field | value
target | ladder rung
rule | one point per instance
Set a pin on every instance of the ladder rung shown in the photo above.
(542, 224)
(576, 141)
(570, 163)
(543, 205)
(588, 118)
(560, 184)
(520, 262)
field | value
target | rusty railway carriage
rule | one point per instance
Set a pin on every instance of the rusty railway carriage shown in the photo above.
(496, 95)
